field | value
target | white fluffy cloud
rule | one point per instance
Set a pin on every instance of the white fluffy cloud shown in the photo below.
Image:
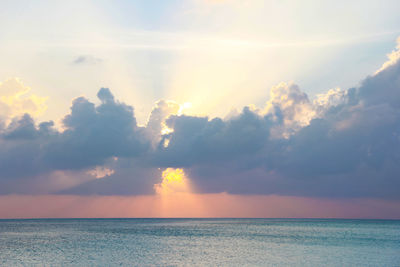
(393, 57)
(290, 107)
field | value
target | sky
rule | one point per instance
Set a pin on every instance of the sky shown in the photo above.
(165, 108)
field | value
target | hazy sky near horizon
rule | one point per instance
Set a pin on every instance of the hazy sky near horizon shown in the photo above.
(253, 101)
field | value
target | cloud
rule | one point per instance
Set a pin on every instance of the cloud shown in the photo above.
(92, 135)
(16, 100)
(130, 177)
(290, 107)
(101, 172)
(90, 60)
(198, 140)
(156, 122)
(95, 134)
(394, 56)
(343, 143)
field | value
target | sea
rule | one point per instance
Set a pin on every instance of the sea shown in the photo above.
(199, 242)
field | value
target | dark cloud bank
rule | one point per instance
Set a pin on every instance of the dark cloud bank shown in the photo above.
(343, 144)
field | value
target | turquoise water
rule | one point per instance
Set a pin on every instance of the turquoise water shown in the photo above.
(199, 242)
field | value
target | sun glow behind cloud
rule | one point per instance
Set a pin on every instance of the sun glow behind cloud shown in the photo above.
(173, 181)
(175, 197)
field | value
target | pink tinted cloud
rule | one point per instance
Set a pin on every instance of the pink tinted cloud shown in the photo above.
(193, 205)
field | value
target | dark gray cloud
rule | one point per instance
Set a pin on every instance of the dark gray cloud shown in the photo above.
(197, 140)
(95, 134)
(343, 144)
(351, 150)
(130, 177)
(92, 135)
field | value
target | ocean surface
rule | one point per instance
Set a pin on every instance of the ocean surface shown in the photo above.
(199, 242)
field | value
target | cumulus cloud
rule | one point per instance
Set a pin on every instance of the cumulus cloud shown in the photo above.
(95, 134)
(290, 108)
(92, 135)
(392, 57)
(343, 143)
(156, 125)
(198, 139)
(325, 101)
(16, 100)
